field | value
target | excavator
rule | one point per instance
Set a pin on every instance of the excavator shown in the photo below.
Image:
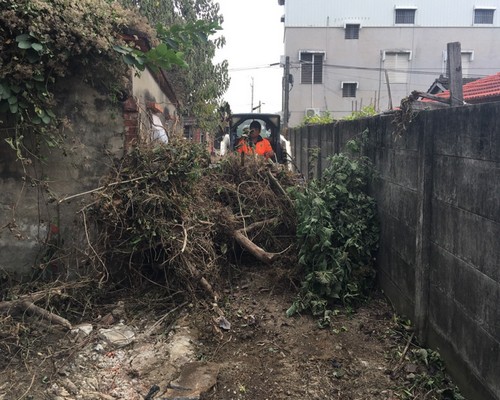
(270, 123)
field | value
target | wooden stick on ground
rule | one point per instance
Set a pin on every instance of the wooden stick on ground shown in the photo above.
(20, 306)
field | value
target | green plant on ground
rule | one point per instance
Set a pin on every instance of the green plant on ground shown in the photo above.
(338, 234)
(419, 372)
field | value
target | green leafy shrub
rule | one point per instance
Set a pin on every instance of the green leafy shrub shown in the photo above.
(338, 233)
(367, 111)
(322, 119)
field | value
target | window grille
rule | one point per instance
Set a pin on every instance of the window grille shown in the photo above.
(397, 65)
(311, 67)
(349, 89)
(405, 15)
(483, 15)
(352, 31)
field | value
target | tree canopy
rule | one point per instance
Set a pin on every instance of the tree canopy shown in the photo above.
(200, 86)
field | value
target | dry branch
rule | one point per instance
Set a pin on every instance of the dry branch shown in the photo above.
(196, 274)
(25, 303)
(21, 306)
(241, 237)
(277, 185)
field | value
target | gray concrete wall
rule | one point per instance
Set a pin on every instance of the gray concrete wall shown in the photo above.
(28, 206)
(438, 195)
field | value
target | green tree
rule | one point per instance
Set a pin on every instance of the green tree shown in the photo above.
(200, 86)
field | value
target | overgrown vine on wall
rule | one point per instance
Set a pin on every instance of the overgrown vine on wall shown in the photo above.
(367, 111)
(318, 119)
(42, 41)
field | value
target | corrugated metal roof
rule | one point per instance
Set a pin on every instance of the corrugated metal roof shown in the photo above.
(334, 13)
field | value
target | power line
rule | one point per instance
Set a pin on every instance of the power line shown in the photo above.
(420, 71)
(253, 68)
(423, 71)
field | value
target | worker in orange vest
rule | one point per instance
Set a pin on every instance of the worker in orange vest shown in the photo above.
(254, 143)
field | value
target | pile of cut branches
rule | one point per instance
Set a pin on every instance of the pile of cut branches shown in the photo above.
(167, 214)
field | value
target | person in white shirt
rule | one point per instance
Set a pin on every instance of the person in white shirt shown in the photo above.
(159, 134)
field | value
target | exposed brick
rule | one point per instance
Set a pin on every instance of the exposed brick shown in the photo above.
(130, 105)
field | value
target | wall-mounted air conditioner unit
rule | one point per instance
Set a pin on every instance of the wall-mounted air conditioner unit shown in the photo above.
(311, 112)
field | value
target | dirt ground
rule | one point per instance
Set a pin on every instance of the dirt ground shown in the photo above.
(267, 355)
(262, 355)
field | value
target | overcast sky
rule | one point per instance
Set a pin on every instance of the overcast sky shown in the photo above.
(254, 40)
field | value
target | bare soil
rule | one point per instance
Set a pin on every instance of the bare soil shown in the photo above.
(267, 355)
(263, 355)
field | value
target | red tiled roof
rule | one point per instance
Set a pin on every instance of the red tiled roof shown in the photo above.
(481, 89)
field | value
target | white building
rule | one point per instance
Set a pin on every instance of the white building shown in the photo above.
(339, 51)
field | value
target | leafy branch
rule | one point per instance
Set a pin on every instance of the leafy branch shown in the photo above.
(175, 41)
(338, 234)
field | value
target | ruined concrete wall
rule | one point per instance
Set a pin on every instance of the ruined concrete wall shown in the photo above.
(438, 195)
(29, 215)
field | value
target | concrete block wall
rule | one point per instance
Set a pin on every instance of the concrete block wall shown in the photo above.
(438, 195)
(464, 260)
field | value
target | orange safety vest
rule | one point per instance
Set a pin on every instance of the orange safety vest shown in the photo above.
(262, 146)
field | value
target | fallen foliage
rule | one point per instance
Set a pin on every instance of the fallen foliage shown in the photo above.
(166, 213)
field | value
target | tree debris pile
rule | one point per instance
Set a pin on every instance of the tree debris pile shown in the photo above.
(167, 214)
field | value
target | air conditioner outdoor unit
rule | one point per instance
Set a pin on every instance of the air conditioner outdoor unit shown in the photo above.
(311, 112)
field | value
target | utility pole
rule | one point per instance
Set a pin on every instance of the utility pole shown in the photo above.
(251, 101)
(388, 88)
(286, 94)
(454, 67)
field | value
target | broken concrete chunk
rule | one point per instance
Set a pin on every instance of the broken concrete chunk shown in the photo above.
(119, 335)
(83, 329)
(196, 378)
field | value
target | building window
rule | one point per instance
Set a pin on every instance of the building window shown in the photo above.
(311, 67)
(467, 57)
(397, 65)
(352, 31)
(349, 89)
(405, 15)
(484, 15)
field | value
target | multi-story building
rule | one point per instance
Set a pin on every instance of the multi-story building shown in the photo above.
(345, 55)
